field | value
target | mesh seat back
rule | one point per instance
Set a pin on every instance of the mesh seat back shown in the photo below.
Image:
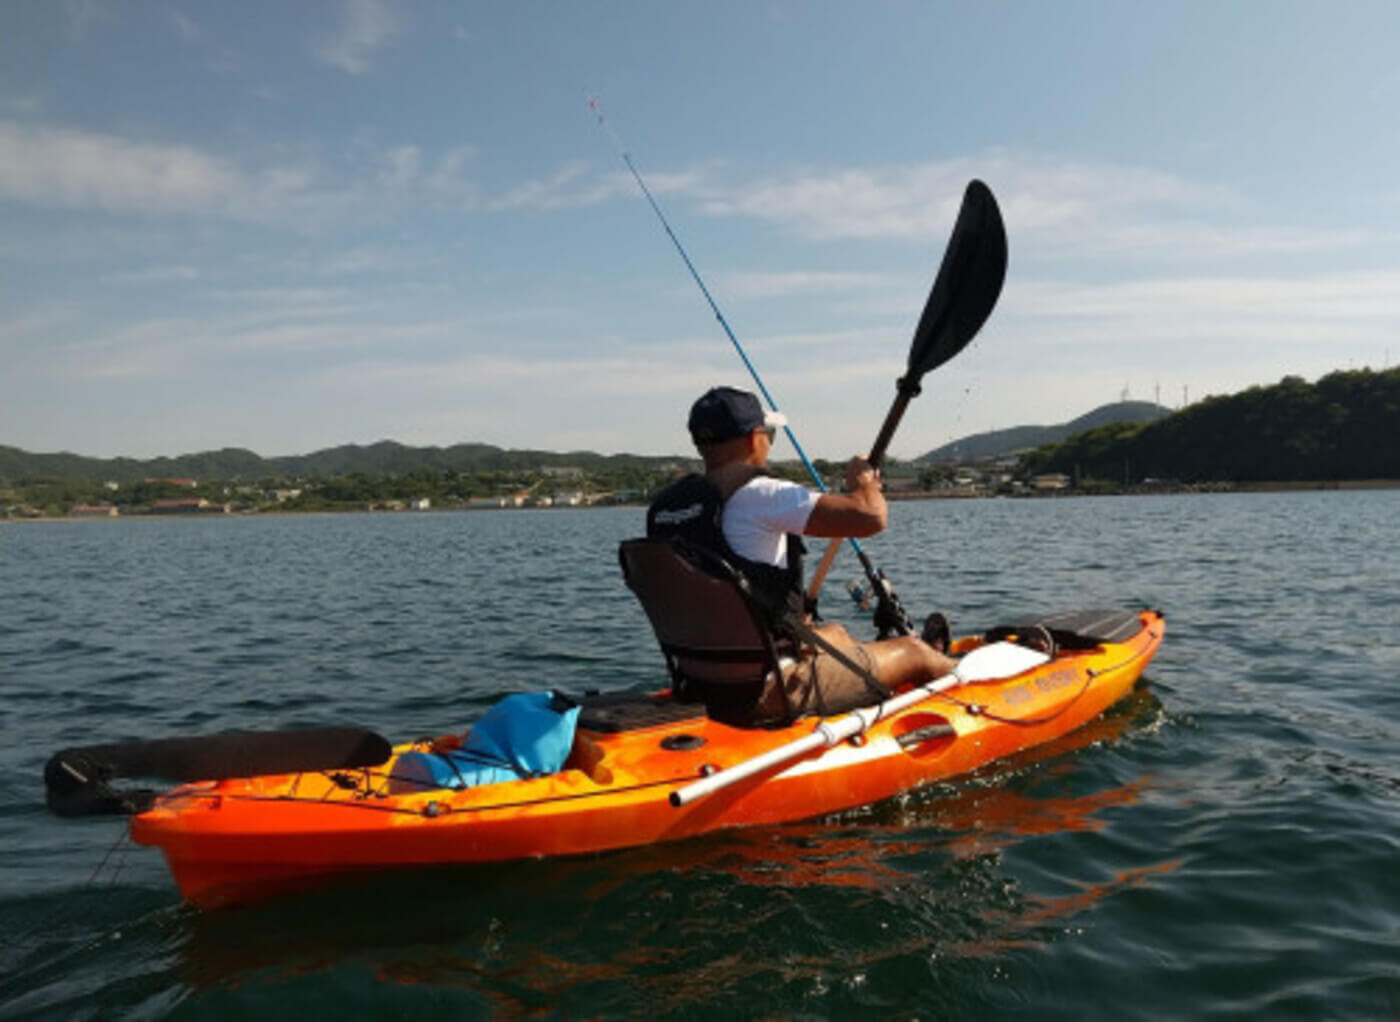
(707, 625)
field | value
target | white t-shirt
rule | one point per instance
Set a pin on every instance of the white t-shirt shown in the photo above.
(760, 514)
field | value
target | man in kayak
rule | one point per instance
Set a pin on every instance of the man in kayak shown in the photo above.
(739, 510)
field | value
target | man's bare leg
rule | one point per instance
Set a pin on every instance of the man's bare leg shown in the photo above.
(907, 660)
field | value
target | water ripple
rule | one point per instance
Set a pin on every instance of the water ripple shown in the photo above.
(1222, 844)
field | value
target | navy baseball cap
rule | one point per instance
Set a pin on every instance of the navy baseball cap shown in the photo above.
(723, 413)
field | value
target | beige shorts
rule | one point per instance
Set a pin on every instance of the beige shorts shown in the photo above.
(819, 685)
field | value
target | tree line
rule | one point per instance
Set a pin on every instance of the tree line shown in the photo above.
(1343, 427)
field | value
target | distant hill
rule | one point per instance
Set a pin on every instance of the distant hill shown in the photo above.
(385, 458)
(1001, 442)
(1342, 427)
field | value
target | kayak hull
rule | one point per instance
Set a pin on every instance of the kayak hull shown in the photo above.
(246, 839)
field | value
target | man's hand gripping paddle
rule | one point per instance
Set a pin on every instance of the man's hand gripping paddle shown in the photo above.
(964, 293)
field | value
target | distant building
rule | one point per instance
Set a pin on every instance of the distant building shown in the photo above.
(93, 511)
(1051, 481)
(187, 505)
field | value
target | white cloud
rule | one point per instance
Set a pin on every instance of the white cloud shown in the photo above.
(86, 16)
(564, 189)
(59, 167)
(407, 171)
(448, 174)
(921, 200)
(69, 168)
(366, 26)
(284, 298)
(1214, 303)
(1052, 206)
(403, 165)
(185, 25)
(571, 186)
(784, 284)
(38, 320)
(910, 202)
(153, 275)
(362, 259)
(20, 104)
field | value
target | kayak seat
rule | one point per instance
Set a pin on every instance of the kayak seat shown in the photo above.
(707, 621)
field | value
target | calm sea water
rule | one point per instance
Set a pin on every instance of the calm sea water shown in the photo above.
(1225, 844)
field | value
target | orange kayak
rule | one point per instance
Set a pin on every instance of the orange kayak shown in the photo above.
(244, 839)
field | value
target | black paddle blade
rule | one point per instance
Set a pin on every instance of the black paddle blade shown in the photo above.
(966, 288)
(76, 779)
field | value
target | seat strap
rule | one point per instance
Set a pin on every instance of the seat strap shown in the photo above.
(807, 633)
(798, 627)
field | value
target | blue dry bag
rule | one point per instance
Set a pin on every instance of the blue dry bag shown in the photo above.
(524, 735)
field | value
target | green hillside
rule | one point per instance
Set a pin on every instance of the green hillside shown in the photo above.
(385, 458)
(1344, 426)
(1001, 442)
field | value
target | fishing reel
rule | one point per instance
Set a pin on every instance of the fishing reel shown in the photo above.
(890, 616)
(860, 593)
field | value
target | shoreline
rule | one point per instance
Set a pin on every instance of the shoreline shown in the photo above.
(1142, 490)
(1198, 489)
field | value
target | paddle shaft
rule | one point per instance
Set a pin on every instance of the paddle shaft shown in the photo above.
(876, 457)
(827, 734)
(964, 293)
(892, 418)
(991, 662)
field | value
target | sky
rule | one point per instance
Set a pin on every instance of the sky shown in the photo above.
(290, 226)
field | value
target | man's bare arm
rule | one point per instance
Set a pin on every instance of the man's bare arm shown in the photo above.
(859, 512)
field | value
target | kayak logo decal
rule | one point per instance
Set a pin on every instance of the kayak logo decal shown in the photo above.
(1051, 682)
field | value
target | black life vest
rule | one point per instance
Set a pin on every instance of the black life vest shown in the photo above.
(692, 508)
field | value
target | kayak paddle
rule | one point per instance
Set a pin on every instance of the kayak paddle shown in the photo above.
(76, 779)
(986, 663)
(964, 293)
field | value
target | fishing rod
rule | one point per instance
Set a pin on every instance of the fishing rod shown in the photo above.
(963, 295)
(714, 307)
